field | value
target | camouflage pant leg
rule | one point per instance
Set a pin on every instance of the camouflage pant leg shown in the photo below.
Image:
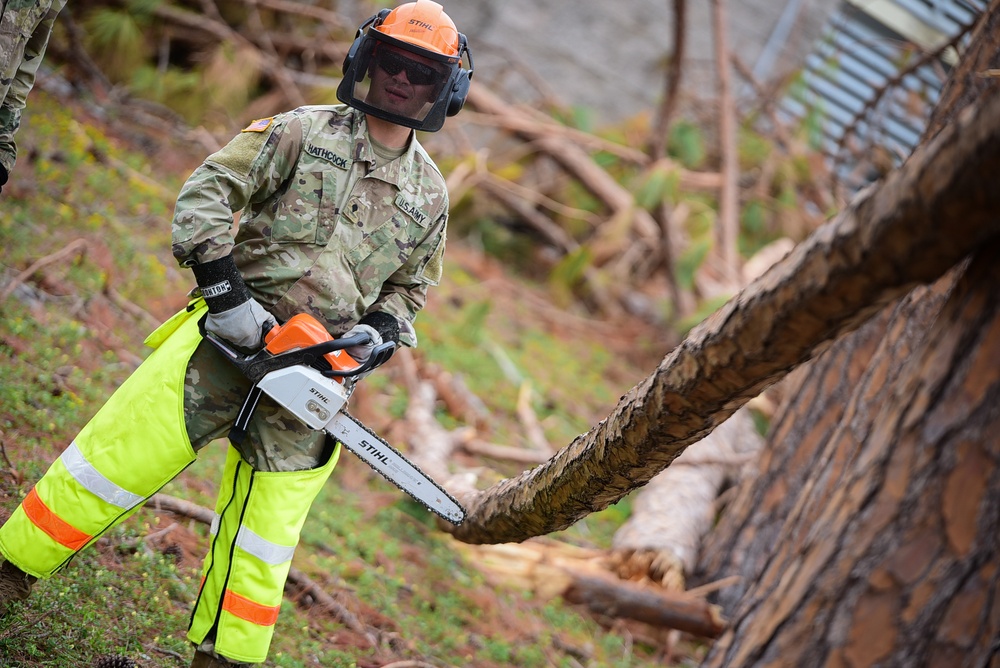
(276, 440)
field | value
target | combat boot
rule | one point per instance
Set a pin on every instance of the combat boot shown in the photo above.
(204, 660)
(15, 585)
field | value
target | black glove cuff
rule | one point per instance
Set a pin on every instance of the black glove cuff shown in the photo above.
(3, 175)
(385, 324)
(221, 284)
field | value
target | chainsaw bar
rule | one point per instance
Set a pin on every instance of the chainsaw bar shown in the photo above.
(394, 467)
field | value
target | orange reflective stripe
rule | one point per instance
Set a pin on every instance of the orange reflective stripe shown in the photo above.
(57, 528)
(251, 611)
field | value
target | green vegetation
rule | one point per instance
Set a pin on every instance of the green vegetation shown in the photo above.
(71, 333)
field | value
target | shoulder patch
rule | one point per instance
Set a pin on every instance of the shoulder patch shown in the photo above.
(259, 125)
(412, 211)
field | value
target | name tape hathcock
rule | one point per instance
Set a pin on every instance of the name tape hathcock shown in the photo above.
(328, 155)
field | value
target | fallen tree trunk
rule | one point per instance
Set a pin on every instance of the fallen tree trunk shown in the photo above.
(908, 230)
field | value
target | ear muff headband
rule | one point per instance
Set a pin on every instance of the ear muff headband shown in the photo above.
(352, 52)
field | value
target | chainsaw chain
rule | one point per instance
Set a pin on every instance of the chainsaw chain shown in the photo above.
(417, 468)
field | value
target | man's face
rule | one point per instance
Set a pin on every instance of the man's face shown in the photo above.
(403, 83)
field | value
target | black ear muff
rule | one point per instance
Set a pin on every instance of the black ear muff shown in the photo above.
(352, 52)
(459, 91)
(460, 87)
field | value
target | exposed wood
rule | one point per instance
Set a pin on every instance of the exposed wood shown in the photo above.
(662, 538)
(922, 220)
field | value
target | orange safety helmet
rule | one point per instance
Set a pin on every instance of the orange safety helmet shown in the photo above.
(406, 66)
(424, 24)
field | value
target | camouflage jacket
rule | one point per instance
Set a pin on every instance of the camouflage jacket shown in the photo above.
(25, 26)
(323, 229)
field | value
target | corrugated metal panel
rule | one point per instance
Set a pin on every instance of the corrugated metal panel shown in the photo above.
(844, 82)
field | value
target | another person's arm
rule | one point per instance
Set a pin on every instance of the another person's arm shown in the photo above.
(22, 75)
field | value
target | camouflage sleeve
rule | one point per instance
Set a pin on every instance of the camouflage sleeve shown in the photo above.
(248, 169)
(22, 71)
(404, 294)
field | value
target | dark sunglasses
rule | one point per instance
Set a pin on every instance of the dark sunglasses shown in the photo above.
(418, 74)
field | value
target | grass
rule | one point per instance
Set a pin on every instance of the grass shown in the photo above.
(65, 345)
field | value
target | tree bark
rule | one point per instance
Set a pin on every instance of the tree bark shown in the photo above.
(888, 556)
(828, 396)
(908, 230)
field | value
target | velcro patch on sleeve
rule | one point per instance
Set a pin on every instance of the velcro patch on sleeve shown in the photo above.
(259, 125)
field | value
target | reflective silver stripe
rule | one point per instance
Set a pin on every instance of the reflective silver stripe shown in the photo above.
(94, 482)
(214, 529)
(263, 549)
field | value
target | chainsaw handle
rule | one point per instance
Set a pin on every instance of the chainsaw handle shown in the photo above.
(380, 355)
(261, 363)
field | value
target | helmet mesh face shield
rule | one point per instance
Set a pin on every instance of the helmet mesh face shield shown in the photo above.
(400, 82)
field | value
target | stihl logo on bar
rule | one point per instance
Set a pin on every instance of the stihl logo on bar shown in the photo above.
(216, 290)
(322, 397)
(375, 452)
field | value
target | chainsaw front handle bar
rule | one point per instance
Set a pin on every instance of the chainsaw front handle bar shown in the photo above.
(261, 363)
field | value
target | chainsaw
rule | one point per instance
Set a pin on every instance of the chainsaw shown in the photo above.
(308, 372)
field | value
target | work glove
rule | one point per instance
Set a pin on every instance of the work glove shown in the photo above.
(244, 325)
(233, 314)
(361, 352)
(3, 177)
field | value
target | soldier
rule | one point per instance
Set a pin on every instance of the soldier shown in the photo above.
(343, 216)
(25, 27)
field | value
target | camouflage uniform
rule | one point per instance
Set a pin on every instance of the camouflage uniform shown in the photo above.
(25, 26)
(323, 230)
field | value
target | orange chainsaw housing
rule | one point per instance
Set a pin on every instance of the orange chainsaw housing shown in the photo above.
(301, 331)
